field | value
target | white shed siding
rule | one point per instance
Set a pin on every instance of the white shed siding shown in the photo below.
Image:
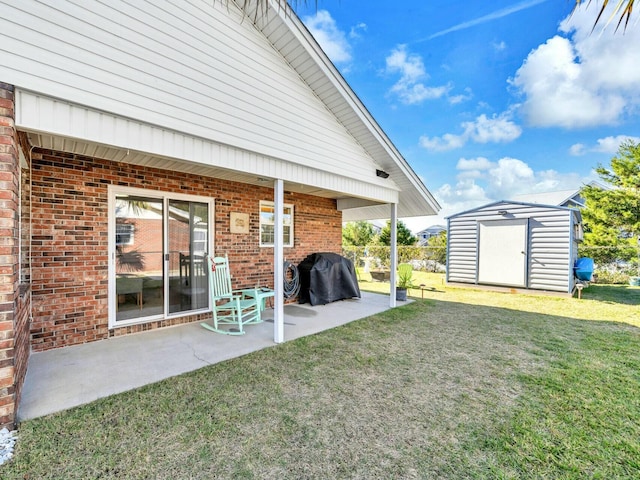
(551, 246)
(199, 73)
(462, 238)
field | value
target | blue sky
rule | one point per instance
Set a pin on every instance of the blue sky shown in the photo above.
(487, 100)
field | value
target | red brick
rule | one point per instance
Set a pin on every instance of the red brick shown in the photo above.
(69, 231)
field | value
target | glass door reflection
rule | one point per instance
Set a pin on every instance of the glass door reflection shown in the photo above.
(188, 237)
(139, 264)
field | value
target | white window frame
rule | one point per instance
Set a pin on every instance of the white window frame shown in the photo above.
(289, 224)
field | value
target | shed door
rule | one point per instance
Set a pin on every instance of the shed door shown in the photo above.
(502, 252)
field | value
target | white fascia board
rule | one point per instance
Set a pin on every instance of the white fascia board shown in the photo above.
(40, 113)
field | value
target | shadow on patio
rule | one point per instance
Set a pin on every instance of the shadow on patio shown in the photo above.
(66, 377)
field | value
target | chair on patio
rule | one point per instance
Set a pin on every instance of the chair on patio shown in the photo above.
(230, 307)
(193, 281)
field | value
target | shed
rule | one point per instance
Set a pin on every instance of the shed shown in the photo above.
(515, 244)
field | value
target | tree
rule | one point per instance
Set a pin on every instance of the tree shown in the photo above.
(612, 216)
(405, 237)
(437, 247)
(357, 234)
(624, 7)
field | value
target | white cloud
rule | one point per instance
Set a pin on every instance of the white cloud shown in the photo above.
(355, 30)
(508, 177)
(609, 145)
(464, 195)
(463, 97)
(499, 46)
(465, 190)
(578, 149)
(410, 88)
(579, 78)
(612, 144)
(480, 163)
(497, 129)
(481, 181)
(332, 40)
(474, 168)
(442, 144)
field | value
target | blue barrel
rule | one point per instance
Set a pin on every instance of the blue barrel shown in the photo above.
(583, 269)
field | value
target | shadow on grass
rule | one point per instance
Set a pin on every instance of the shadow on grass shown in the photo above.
(622, 294)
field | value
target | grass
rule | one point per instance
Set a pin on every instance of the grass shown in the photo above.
(463, 384)
(599, 302)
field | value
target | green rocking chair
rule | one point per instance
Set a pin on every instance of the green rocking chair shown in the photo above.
(230, 307)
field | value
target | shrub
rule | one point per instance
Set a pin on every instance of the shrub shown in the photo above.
(611, 277)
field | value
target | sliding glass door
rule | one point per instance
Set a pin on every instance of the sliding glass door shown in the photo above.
(188, 231)
(158, 244)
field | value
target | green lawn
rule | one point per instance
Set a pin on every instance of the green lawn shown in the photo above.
(462, 384)
(599, 302)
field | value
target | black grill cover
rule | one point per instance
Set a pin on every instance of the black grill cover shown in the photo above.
(326, 278)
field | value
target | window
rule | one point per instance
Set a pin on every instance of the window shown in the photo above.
(124, 234)
(267, 224)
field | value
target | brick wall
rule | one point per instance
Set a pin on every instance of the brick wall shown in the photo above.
(22, 347)
(22, 324)
(14, 302)
(69, 242)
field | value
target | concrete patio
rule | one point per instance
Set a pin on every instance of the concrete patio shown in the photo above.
(63, 378)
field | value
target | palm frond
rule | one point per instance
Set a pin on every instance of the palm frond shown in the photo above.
(624, 8)
(254, 9)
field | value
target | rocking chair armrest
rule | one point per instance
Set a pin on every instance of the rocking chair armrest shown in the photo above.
(246, 292)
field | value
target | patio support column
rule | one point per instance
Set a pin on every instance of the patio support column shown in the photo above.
(278, 262)
(394, 254)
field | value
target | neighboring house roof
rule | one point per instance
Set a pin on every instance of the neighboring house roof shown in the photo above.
(551, 198)
(201, 88)
(432, 230)
(563, 198)
(547, 198)
(507, 203)
(377, 225)
(427, 233)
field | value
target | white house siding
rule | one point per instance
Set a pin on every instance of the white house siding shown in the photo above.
(180, 65)
(161, 147)
(552, 249)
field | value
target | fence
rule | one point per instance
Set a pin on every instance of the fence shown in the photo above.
(612, 264)
(374, 257)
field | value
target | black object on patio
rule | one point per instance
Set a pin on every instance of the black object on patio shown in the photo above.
(326, 278)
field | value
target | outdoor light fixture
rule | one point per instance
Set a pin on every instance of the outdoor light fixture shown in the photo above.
(502, 212)
(382, 174)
